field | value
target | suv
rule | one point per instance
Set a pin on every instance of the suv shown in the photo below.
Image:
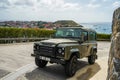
(68, 45)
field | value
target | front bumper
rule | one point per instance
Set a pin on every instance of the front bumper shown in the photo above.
(52, 59)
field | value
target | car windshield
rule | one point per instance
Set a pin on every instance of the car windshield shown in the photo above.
(68, 33)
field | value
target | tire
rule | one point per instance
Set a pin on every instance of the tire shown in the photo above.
(40, 63)
(91, 59)
(71, 66)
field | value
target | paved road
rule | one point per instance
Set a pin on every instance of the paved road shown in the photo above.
(14, 56)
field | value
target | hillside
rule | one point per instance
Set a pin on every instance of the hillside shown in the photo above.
(39, 24)
(67, 23)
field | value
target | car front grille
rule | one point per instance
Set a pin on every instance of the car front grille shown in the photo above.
(45, 50)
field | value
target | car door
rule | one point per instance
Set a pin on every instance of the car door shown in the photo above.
(84, 44)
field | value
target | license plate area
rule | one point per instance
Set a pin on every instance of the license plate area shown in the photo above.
(44, 58)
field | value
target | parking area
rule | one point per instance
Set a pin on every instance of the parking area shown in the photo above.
(17, 55)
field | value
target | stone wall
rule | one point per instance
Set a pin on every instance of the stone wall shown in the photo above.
(114, 54)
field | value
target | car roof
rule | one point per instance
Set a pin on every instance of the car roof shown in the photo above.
(83, 28)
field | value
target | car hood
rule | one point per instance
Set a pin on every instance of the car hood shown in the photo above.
(57, 41)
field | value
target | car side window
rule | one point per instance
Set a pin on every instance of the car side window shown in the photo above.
(85, 35)
(92, 36)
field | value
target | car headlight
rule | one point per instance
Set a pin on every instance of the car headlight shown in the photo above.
(61, 51)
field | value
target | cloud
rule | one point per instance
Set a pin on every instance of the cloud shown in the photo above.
(116, 4)
(58, 4)
(24, 2)
(105, 0)
(52, 10)
(39, 4)
(4, 4)
(17, 3)
(93, 5)
(92, 1)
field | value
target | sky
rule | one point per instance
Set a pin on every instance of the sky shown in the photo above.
(53, 10)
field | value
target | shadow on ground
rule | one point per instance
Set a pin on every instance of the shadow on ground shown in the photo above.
(56, 72)
(3, 73)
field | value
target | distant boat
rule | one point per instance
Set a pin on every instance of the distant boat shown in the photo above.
(99, 27)
(95, 25)
(104, 29)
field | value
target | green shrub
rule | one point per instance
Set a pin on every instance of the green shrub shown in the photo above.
(103, 36)
(35, 32)
(24, 32)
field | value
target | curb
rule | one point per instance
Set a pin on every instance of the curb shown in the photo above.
(14, 75)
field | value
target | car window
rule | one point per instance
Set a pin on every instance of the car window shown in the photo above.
(92, 36)
(65, 32)
(85, 35)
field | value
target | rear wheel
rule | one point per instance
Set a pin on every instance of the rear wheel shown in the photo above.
(71, 66)
(91, 59)
(40, 63)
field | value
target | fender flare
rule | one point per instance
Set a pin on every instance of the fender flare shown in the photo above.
(94, 48)
(75, 51)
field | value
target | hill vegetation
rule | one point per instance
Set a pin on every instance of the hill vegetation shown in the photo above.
(67, 23)
(39, 24)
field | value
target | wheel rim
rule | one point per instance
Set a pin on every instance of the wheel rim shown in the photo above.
(93, 58)
(74, 65)
(40, 63)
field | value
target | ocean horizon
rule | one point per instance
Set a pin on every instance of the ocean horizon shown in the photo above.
(99, 27)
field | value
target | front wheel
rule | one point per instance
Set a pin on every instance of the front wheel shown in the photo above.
(71, 66)
(40, 63)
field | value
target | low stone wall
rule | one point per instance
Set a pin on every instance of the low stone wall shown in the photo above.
(18, 40)
(114, 54)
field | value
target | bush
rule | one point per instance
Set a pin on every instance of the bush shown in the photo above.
(35, 32)
(24, 32)
(103, 36)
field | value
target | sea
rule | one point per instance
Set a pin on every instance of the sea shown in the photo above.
(103, 27)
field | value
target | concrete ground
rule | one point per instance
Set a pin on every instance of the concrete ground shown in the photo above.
(15, 56)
